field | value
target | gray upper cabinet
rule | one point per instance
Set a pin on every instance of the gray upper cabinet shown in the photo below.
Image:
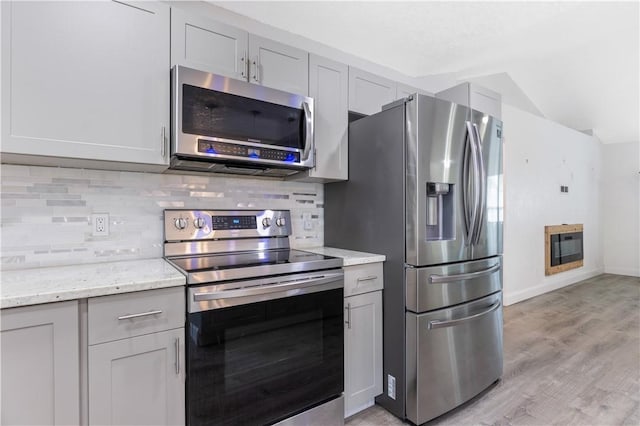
(403, 90)
(207, 45)
(278, 66)
(212, 46)
(369, 92)
(39, 365)
(475, 97)
(86, 81)
(329, 88)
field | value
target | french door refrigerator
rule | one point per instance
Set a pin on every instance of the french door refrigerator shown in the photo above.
(425, 189)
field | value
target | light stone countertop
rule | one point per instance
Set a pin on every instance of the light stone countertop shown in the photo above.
(55, 284)
(349, 257)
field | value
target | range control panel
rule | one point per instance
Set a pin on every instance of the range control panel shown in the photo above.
(193, 225)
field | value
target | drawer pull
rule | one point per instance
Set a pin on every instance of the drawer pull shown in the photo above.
(442, 279)
(143, 314)
(369, 278)
(451, 323)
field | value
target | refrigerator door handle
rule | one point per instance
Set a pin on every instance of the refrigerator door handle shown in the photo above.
(482, 178)
(471, 218)
(450, 323)
(441, 279)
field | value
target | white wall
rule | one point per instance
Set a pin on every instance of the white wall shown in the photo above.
(46, 211)
(621, 201)
(539, 157)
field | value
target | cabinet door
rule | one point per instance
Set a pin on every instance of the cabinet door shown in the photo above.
(329, 86)
(138, 380)
(278, 66)
(40, 365)
(363, 351)
(207, 45)
(402, 91)
(369, 92)
(86, 80)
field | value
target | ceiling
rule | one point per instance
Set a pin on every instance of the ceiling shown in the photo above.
(576, 63)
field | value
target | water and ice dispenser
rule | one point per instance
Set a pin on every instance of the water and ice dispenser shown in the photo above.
(440, 215)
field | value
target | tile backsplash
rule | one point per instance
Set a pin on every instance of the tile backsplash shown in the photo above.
(45, 218)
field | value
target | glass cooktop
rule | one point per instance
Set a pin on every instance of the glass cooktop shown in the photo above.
(208, 268)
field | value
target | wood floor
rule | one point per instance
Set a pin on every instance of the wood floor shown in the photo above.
(572, 357)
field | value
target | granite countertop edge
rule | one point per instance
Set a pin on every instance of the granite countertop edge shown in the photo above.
(37, 286)
(349, 257)
(27, 287)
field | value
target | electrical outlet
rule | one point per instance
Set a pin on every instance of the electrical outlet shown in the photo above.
(307, 223)
(100, 223)
(391, 386)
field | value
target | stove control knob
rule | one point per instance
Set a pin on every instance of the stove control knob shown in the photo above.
(281, 221)
(181, 223)
(266, 222)
(198, 222)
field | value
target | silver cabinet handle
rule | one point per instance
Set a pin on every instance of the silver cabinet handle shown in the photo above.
(440, 279)
(143, 314)
(163, 141)
(178, 356)
(308, 129)
(369, 278)
(348, 321)
(245, 65)
(450, 323)
(256, 76)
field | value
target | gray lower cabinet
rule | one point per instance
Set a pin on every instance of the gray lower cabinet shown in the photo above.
(86, 84)
(39, 365)
(138, 380)
(136, 362)
(363, 336)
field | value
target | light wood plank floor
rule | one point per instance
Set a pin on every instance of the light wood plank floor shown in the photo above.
(572, 357)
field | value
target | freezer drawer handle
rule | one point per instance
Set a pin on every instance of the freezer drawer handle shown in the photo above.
(440, 279)
(451, 323)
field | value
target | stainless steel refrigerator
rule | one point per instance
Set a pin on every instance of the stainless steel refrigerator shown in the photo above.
(425, 189)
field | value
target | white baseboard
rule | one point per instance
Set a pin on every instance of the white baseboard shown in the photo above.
(509, 298)
(631, 272)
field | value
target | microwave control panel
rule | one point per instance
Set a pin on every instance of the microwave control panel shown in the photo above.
(246, 151)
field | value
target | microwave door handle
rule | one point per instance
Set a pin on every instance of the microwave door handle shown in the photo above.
(308, 131)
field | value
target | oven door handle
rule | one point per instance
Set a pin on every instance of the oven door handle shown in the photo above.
(278, 286)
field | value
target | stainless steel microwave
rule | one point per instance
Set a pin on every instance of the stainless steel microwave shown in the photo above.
(220, 124)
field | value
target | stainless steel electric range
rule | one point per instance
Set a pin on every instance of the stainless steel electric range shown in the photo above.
(264, 322)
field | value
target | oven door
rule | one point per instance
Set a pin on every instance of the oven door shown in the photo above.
(220, 119)
(263, 361)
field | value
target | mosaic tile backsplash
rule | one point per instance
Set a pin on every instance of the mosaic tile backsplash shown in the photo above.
(45, 218)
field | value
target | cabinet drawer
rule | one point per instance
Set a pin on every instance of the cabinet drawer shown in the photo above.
(134, 314)
(360, 279)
